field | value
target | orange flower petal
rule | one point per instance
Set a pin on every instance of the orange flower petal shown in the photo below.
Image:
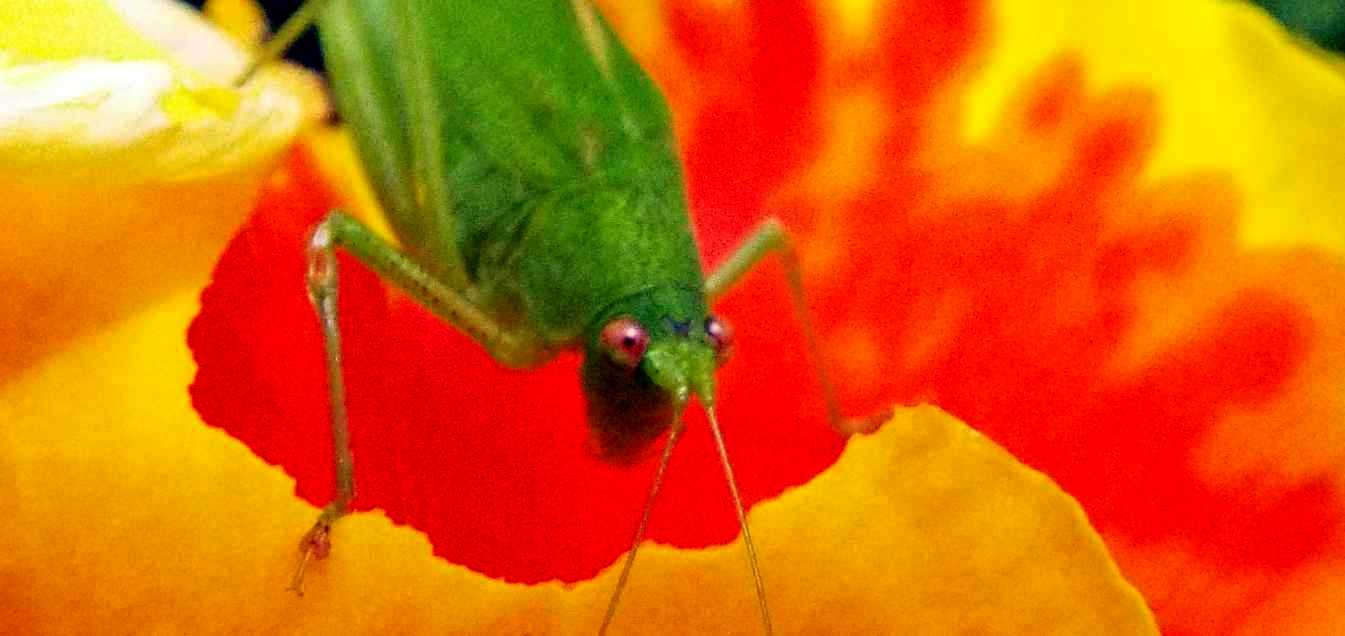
(171, 527)
(1114, 221)
(1187, 362)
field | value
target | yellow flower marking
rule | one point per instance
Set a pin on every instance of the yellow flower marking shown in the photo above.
(1241, 96)
(64, 30)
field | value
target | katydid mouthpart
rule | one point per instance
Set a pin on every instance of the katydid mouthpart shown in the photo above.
(527, 167)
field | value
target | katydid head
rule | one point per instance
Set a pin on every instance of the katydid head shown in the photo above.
(638, 377)
(640, 371)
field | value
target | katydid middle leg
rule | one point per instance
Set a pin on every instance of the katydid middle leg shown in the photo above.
(771, 237)
(341, 230)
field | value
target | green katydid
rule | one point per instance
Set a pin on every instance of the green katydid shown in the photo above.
(527, 167)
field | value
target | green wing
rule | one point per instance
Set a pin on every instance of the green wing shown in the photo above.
(464, 111)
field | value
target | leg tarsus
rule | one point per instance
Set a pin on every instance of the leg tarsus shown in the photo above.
(316, 544)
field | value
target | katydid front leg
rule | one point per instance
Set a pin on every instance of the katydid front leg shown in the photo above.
(343, 231)
(771, 237)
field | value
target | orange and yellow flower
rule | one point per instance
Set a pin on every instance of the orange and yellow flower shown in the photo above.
(1102, 235)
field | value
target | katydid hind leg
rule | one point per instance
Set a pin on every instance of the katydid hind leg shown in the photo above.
(771, 237)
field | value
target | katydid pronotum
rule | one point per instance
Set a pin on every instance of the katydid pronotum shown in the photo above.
(526, 165)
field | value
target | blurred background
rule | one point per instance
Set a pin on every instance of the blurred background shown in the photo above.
(1322, 21)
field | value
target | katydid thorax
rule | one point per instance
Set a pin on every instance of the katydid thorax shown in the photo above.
(527, 167)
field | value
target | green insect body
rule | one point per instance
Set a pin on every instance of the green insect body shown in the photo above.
(527, 167)
(549, 191)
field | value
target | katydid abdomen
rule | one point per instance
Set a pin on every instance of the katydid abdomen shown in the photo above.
(466, 113)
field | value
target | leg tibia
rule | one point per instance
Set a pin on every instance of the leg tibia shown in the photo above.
(771, 237)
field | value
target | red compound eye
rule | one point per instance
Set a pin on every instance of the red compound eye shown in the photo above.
(720, 336)
(625, 340)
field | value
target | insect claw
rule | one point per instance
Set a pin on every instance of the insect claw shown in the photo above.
(316, 544)
(297, 582)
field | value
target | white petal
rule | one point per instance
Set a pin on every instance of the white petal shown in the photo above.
(185, 36)
(136, 121)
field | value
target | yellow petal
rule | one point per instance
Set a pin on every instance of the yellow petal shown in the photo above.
(68, 30)
(244, 20)
(1237, 95)
(126, 159)
(127, 513)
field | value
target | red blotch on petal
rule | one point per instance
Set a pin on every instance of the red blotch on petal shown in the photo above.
(756, 123)
(490, 463)
(1104, 328)
(1015, 303)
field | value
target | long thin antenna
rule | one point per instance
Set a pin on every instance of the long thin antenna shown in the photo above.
(673, 436)
(742, 520)
(290, 31)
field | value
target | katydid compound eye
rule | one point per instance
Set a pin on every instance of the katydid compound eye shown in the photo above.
(720, 336)
(625, 341)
